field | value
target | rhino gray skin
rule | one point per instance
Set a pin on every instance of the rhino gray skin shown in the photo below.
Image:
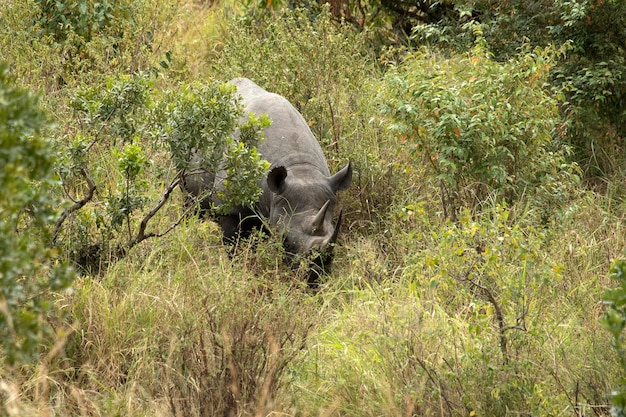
(299, 194)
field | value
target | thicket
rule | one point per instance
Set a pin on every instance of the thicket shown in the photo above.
(470, 272)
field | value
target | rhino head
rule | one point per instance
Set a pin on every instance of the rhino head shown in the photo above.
(302, 204)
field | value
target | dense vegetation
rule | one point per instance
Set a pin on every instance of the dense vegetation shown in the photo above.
(481, 235)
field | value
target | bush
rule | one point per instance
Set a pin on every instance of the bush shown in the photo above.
(593, 76)
(477, 126)
(60, 44)
(29, 266)
(470, 322)
(614, 321)
(591, 72)
(84, 19)
(199, 122)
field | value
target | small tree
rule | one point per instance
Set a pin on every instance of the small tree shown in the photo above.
(153, 141)
(198, 126)
(476, 125)
(29, 268)
(72, 24)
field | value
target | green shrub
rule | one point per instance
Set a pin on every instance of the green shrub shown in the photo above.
(591, 72)
(593, 76)
(59, 44)
(199, 122)
(84, 18)
(615, 320)
(477, 318)
(29, 267)
(478, 126)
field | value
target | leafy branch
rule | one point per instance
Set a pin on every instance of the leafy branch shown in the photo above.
(125, 123)
(502, 326)
(76, 206)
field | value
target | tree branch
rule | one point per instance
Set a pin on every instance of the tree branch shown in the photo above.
(76, 206)
(92, 186)
(499, 317)
(141, 234)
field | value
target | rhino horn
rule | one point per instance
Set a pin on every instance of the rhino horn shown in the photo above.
(318, 221)
(333, 238)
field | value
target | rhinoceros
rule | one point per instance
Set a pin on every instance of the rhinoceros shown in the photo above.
(298, 194)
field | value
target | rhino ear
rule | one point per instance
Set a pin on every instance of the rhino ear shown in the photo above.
(342, 179)
(276, 179)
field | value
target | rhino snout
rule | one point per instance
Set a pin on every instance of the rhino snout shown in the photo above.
(310, 246)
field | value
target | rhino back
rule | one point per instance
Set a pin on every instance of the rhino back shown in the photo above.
(288, 140)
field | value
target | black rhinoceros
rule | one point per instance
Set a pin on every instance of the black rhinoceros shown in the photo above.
(299, 193)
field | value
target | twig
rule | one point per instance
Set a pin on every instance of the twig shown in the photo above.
(92, 186)
(334, 124)
(435, 382)
(76, 206)
(141, 234)
(459, 383)
(499, 317)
